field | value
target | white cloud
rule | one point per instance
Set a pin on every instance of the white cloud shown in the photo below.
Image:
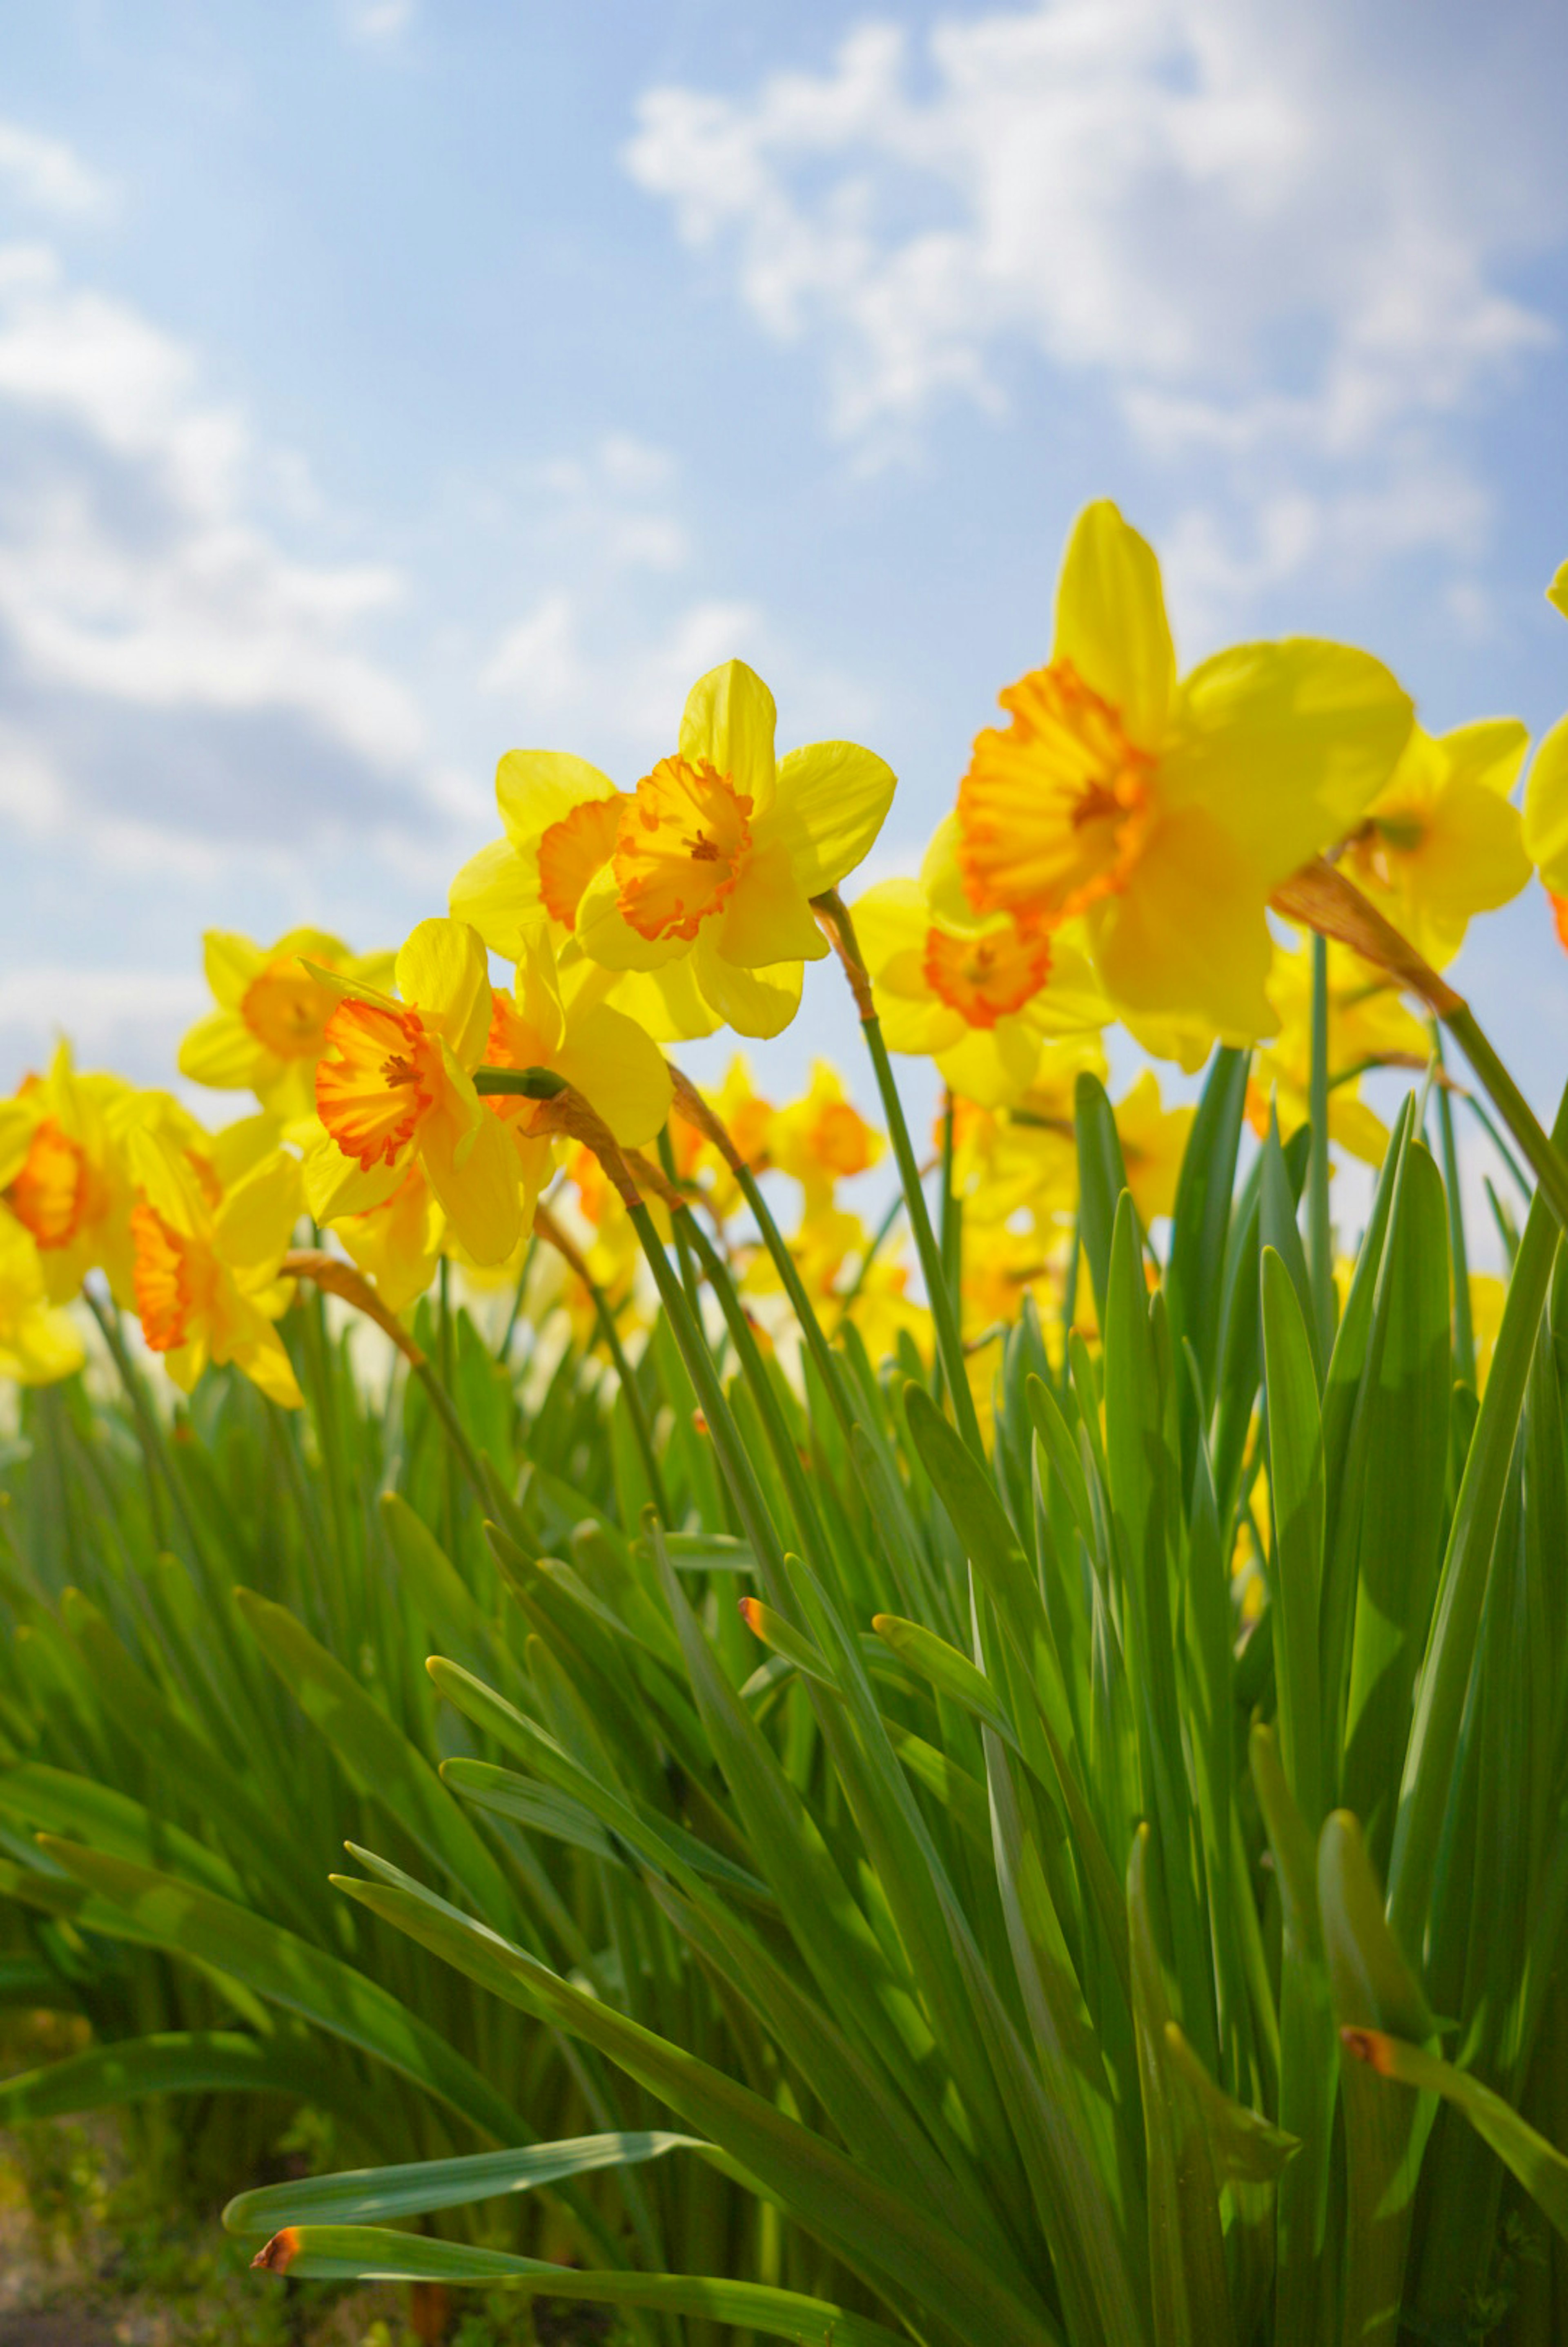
(47, 175)
(129, 1018)
(173, 669)
(375, 21)
(1258, 235)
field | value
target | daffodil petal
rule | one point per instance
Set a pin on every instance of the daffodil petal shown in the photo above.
(891, 920)
(620, 1071)
(338, 1187)
(534, 788)
(266, 1365)
(668, 1002)
(221, 1052)
(1188, 936)
(942, 879)
(231, 962)
(1546, 809)
(472, 1169)
(990, 1065)
(832, 800)
(757, 1002)
(253, 1225)
(1285, 746)
(1111, 621)
(18, 1123)
(917, 1024)
(1557, 593)
(1473, 859)
(1490, 753)
(443, 970)
(767, 917)
(497, 893)
(729, 719)
(604, 932)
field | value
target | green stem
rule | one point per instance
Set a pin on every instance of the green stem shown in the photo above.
(149, 1434)
(1463, 1327)
(1320, 1232)
(642, 1432)
(750, 1506)
(449, 1476)
(1511, 1105)
(463, 1449)
(530, 1251)
(527, 1083)
(949, 1349)
(794, 1286)
(879, 1236)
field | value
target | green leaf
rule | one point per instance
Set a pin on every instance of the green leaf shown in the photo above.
(288, 1972)
(371, 2196)
(171, 2062)
(1296, 1494)
(1385, 2132)
(1539, 2165)
(951, 1673)
(1201, 1222)
(1102, 1180)
(369, 2253)
(861, 2218)
(379, 1760)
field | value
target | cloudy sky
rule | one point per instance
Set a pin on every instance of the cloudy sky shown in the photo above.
(386, 383)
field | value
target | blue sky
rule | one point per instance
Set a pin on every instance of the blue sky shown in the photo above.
(382, 385)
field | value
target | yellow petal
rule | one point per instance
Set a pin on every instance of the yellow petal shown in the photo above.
(832, 800)
(1111, 621)
(919, 1025)
(18, 1123)
(668, 1002)
(1188, 938)
(240, 1146)
(1490, 752)
(620, 1071)
(537, 988)
(1546, 809)
(230, 963)
(265, 1362)
(443, 970)
(892, 919)
(603, 931)
(941, 878)
(1187, 1041)
(991, 1066)
(1557, 593)
(534, 788)
(497, 893)
(729, 720)
(253, 1225)
(1285, 746)
(220, 1051)
(757, 1002)
(1472, 858)
(766, 917)
(472, 1167)
(337, 1187)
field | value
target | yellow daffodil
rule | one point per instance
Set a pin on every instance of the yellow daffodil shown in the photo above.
(562, 819)
(976, 993)
(565, 1029)
(1165, 812)
(1368, 1025)
(1546, 796)
(822, 1139)
(399, 1243)
(206, 1273)
(1488, 1295)
(720, 848)
(1442, 843)
(1153, 1140)
(63, 1175)
(395, 1083)
(38, 1342)
(266, 1034)
(749, 1119)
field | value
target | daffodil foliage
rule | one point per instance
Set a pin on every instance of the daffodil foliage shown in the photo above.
(954, 1734)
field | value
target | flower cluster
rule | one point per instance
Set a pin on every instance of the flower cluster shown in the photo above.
(1109, 863)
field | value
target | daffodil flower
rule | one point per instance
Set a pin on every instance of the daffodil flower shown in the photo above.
(1546, 795)
(721, 848)
(207, 1275)
(266, 1034)
(39, 1341)
(567, 1028)
(977, 993)
(1442, 843)
(395, 1083)
(821, 1139)
(1024, 1155)
(63, 1175)
(1165, 812)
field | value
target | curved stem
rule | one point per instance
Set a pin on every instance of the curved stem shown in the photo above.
(550, 1230)
(840, 931)
(1320, 1232)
